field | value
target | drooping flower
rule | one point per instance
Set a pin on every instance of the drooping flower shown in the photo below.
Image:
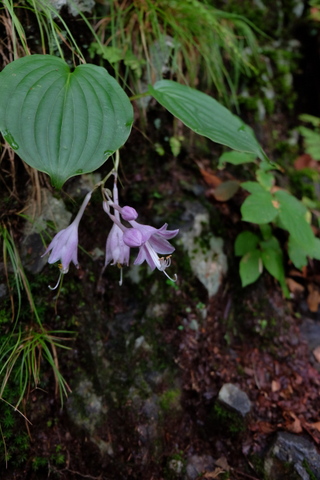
(64, 245)
(117, 251)
(155, 241)
(151, 241)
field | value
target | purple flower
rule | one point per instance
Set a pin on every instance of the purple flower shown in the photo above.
(116, 250)
(151, 241)
(155, 241)
(64, 245)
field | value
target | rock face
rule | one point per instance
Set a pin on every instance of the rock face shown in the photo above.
(74, 6)
(207, 259)
(197, 465)
(292, 456)
(53, 211)
(235, 398)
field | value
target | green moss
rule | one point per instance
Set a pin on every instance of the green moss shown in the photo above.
(226, 421)
(170, 400)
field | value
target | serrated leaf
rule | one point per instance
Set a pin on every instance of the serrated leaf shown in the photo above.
(59, 121)
(292, 214)
(236, 158)
(258, 208)
(250, 267)
(245, 242)
(205, 116)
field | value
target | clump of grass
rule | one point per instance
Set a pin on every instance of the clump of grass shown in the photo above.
(188, 40)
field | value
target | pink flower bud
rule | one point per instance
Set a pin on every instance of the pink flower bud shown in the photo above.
(129, 213)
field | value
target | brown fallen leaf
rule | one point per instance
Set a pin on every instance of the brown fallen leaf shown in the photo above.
(305, 161)
(226, 190)
(275, 385)
(294, 286)
(295, 426)
(210, 179)
(222, 462)
(313, 299)
(315, 425)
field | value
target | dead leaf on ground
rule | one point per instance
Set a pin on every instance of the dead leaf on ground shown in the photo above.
(313, 299)
(215, 474)
(210, 179)
(222, 462)
(295, 426)
(226, 190)
(294, 286)
(305, 161)
(275, 385)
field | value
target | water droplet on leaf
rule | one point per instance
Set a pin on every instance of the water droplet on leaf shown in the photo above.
(79, 171)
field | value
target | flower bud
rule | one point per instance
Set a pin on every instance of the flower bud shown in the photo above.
(129, 213)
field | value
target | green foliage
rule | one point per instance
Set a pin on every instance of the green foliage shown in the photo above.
(311, 138)
(205, 116)
(190, 39)
(61, 122)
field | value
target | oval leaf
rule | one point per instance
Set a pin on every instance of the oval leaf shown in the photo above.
(250, 267)
(206, 116)
(59, 121)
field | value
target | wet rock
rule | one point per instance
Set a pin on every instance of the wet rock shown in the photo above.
(292, 456)
(310, 331)
(207, 259)
(235, 398)
(52, 210)
(176, 466)
(85, 408)
(74, 6)
(198, 465)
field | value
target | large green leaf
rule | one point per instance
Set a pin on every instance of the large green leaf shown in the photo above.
(60, 121)
(206, 116)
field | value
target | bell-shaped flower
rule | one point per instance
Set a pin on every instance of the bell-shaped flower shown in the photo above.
(64, 245)
(153, 242)
(117, 251)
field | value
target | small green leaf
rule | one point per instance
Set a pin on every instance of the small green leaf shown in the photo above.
(266, 231)
(236, 158)
(206, 116)
(296, 253)
(258, 208)
(250, 267)
(253, 187)
(292, 215)
(273, 262)
(245, 242)
(265, 179)
(271, 242)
